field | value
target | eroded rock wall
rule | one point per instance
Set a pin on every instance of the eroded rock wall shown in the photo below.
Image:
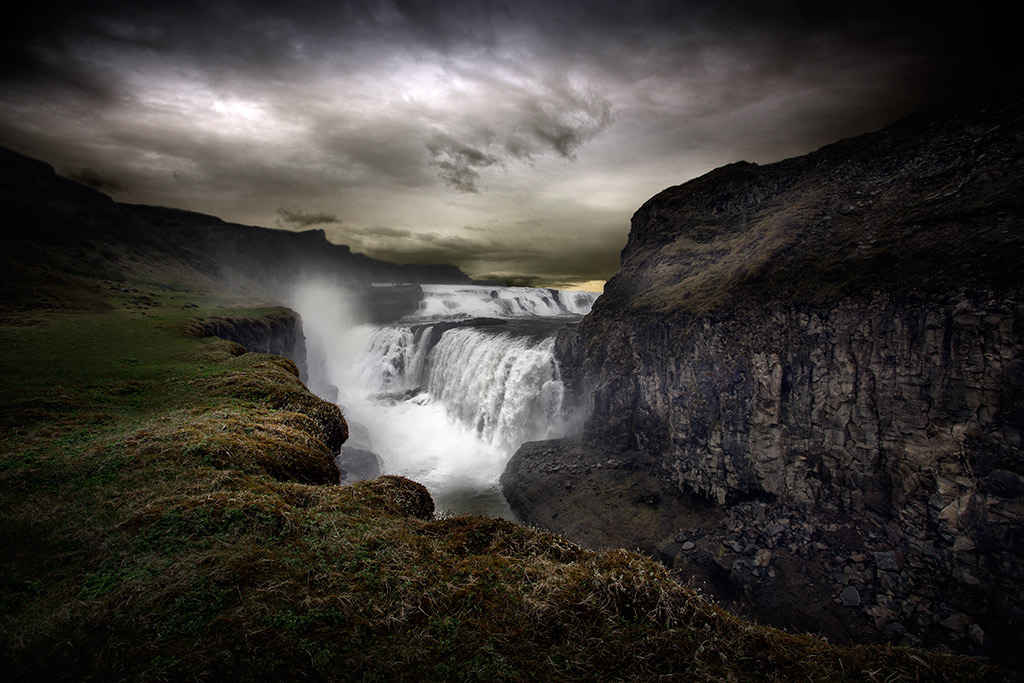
(905, 421)
(812, 405)
(278, 332)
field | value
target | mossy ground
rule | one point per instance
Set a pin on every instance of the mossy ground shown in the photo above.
(160, 520)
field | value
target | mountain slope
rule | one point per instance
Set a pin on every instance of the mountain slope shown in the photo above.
(59, 235)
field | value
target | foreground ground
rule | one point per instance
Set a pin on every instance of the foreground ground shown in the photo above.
(167, 513)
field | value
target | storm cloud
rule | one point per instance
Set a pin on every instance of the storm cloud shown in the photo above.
(96, 181)
(457, 163)
(511, 139)
(294, 216)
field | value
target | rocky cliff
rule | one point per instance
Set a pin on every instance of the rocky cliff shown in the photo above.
(814, 370)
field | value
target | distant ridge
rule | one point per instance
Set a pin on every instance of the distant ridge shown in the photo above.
(57, 230)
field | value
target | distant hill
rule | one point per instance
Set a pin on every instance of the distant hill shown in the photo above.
(60, 235)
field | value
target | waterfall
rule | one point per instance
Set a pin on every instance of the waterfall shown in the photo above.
(506, 388)
(503, 387)
(446, 395)
(454, 301)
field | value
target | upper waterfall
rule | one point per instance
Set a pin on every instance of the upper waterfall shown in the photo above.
(481, 301)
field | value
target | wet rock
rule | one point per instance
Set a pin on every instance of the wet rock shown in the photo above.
(357, 464)
(358, 436)
(958, 623)
(886, 561)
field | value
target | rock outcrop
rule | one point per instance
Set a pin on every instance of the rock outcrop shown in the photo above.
(277, 331)
(827, 354)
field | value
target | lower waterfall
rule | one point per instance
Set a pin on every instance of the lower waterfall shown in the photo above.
(445, 398)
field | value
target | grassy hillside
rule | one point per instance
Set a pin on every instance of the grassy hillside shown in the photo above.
(60, 237)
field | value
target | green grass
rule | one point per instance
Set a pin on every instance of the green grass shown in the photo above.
(160, 520)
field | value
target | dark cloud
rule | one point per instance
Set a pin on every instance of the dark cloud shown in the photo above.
(271, 37)
(426, 116)
(457, 163)
(381, 231)
(96, 181)
(565, 129)
(535, 115)
(293, 216)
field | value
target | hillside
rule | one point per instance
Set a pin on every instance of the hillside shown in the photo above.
(60, 236)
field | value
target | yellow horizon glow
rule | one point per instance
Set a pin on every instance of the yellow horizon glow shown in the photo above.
(596, 286)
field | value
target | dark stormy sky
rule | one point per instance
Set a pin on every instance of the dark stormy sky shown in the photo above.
(514, 139)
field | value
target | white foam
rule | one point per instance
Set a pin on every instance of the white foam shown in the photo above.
(476, 301)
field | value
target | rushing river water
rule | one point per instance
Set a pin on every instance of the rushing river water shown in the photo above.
(447, 394)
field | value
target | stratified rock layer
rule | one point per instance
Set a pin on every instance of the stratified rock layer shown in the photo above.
(830, 351)
(277, 331)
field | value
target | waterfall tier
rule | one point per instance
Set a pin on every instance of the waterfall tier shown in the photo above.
(501, 385)
(475, 301)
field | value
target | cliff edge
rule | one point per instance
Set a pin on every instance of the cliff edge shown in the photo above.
(807, 386)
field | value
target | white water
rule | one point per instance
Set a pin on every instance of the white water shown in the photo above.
(450, 410)
(474, 301)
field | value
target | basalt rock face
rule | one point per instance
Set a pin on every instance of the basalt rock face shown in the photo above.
(829, 351)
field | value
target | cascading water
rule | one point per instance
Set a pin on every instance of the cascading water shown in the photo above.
(504, 386)
(455, 301)
(446, 395)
